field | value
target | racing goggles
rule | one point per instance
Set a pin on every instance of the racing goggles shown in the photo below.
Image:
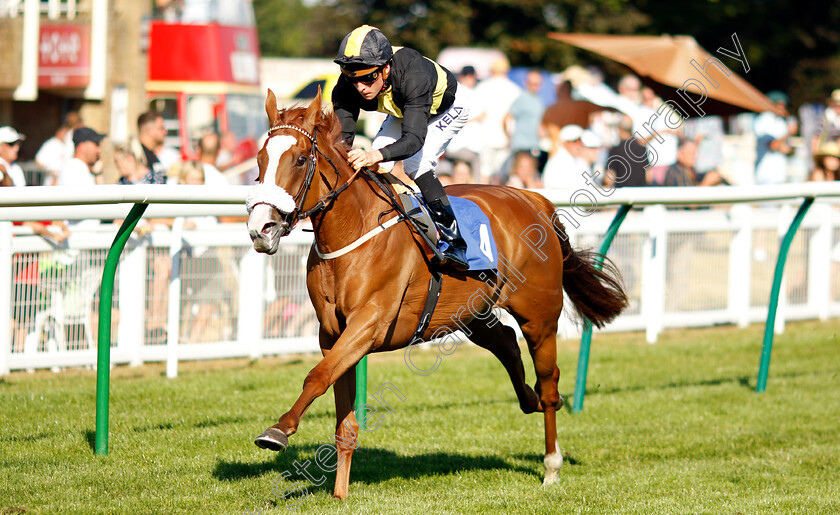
(366, 77)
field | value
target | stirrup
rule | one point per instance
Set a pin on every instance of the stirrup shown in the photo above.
(455, 258)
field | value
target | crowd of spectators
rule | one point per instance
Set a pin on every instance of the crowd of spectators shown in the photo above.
(78, 155)
(591, 127)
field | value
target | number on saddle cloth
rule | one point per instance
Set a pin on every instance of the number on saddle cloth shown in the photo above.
(473, 224)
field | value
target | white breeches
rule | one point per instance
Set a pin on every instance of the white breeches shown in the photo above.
(442, 128)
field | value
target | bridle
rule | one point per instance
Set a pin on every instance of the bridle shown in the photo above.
(291, 218)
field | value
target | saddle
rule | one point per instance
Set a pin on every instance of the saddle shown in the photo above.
(414, 206)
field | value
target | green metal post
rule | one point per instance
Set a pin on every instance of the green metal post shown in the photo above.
(586, 338)
(103, 359)
(361, 391)
(767, 348)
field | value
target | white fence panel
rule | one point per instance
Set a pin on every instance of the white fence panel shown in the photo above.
(204, 293)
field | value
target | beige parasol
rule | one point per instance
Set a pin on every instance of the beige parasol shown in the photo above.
(682, 64)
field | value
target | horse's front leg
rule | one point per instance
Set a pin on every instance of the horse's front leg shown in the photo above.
(346, 430)
(353, 344)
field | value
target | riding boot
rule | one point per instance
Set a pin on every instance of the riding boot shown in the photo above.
(443, 216)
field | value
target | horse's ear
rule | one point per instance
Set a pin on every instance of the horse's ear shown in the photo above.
(313, 112)
(271, 109)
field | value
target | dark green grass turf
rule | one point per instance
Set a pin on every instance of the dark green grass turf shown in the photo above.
(674, 427)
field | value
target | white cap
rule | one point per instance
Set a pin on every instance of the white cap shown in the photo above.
(590, 139)
(9, 135)
(571, 133)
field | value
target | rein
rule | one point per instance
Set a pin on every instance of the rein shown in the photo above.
(297, 213)
(322, 203)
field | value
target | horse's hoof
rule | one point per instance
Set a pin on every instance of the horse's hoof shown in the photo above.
(273, 439)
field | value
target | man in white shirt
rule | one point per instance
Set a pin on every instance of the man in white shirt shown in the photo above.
(208, 152)
(492, 99)
(78, 171)
(52, 155)
(565, 167)
(11, 173)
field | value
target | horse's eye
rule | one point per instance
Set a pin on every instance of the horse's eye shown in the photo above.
(301, 160)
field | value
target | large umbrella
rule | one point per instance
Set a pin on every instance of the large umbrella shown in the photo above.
(667, 60)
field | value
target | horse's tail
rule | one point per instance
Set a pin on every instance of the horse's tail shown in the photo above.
(595, 291)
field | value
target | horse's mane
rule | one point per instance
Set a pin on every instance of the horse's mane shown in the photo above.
(327, 127)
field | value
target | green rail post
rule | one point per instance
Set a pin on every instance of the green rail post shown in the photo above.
(361, 391)
(103, 359)
(586, 338)
(767, 348)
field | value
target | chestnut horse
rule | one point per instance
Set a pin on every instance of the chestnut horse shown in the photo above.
(371, 298)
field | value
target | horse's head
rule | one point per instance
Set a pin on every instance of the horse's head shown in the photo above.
(287, 163)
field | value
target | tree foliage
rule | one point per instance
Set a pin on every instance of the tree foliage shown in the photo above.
(786, 42)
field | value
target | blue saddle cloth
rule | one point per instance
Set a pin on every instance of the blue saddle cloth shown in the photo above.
(475, 228)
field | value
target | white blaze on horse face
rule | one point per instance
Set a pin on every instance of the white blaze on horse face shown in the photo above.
(266, 197)
(276, 147)
(267, 192)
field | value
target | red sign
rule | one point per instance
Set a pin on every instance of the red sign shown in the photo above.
(203, 53)
(64, 60)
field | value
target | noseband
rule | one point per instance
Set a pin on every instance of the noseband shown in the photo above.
(263, 193)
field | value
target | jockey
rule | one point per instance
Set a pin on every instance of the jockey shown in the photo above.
(424, 112)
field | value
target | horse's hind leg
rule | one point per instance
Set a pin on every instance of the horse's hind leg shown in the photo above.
(500, 339)
(541, 336)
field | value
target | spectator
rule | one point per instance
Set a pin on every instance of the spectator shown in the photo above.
(773, 131)
(708, 132)
(444, 172)
(208, 153)
(684, 173)
(627, 161)
(228, 152)
(524, 119)
(53, 154)
(129, 160)
(152, 134)
(462, 172)
(830, 131)
(466, 144)
(567, 111)
(650, 99)
(12, 174)
(565, 166)
(79, 171)
(492, 100)
(524, 172)
(73, 120)
(826, 163)
(201, 267)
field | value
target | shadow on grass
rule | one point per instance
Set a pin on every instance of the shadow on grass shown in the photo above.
(371, 465)
(163, 426)
(24, 438)
(743, 381)
(90, 436)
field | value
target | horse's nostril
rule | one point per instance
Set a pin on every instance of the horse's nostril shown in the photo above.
(267, 228)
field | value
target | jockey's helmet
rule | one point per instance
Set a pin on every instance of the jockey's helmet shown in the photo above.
(364, 47)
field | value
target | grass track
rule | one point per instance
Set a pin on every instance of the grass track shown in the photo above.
(674, 427)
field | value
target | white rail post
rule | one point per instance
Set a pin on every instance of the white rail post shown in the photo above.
(173, 322)
(131, 303)
(819, 262)
(5, 296)
(654, 271)
(740, 265)
(252, 279)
